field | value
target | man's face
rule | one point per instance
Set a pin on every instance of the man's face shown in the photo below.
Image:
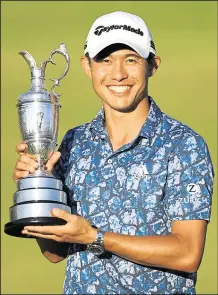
(120, 78)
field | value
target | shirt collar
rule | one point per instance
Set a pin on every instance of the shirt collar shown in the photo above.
(148, 130)
(97, 125)
(152, 121)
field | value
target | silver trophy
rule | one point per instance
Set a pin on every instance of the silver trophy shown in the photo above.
(38, 112)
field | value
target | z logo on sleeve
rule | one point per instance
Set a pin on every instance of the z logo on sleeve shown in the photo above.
(193, 188)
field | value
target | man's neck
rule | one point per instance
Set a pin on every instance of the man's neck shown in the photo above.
(122, 128)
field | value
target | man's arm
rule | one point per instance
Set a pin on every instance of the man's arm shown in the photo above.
(181, 250)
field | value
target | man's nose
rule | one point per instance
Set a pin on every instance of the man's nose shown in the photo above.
(118, 71)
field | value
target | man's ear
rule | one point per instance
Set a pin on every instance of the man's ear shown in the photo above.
(153, 65)
(85, 63)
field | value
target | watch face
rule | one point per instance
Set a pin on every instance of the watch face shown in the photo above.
(96, 249)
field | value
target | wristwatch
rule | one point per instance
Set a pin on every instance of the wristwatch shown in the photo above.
(97, 247)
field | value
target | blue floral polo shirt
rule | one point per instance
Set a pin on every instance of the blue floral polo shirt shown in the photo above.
(164, 174)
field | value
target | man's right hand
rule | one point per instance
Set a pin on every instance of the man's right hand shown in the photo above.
(27, 164)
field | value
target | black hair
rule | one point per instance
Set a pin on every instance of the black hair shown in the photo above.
(108, 50)
(150, 57)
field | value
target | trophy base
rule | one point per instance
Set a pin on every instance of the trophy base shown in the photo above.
(14, 228)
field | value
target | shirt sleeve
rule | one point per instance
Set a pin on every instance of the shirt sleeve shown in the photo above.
(60, 167)
(189, 185)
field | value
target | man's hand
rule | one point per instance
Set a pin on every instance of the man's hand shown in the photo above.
(27, 163)
(76, 230)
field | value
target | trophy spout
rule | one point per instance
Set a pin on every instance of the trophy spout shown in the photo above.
(28, 58)
(37, 74)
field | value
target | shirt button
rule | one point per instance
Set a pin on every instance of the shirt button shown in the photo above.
(109, 161)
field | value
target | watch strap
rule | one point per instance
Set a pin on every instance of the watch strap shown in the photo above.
(99, 240)
(100, 237)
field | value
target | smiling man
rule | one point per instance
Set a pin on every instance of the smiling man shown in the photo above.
(139, 182)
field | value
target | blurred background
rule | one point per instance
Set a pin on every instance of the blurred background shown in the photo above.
(185, 87)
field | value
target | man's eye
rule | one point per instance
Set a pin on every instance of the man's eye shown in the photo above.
(105, 60)
(131, 60)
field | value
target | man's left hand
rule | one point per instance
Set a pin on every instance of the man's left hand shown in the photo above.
(76, 230)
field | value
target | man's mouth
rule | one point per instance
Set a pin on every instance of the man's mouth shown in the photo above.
(119, 89)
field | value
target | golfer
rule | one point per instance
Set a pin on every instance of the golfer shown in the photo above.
(138, 181)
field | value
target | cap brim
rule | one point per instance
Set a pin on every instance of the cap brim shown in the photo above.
(144, 52)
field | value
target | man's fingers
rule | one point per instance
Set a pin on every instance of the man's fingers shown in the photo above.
(28, 163)
(54, 158)
(25, 167)
(46, 230)
(62, 214)
(43, 236)
(27, 160)
(21, 148)
(19, 174)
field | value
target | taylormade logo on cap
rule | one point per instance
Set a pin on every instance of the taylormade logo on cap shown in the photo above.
(99, 30)
(119, 27)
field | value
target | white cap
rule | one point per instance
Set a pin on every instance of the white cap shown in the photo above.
(119, 27)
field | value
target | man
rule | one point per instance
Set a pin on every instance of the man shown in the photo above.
(139, 182)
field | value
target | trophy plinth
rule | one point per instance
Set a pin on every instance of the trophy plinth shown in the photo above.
(38, 112)
(33, 202)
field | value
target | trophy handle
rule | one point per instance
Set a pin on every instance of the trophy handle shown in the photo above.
(62, 49)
